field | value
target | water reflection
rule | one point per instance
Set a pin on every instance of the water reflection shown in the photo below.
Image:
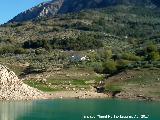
(75, 109)
(14, 110)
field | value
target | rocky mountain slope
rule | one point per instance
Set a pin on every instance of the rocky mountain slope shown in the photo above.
(51, 8)
(114, 39)
(11, 88)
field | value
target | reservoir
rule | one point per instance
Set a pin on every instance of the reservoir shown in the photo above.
(90, 109)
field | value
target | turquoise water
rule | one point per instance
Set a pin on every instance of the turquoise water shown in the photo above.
(79, 110)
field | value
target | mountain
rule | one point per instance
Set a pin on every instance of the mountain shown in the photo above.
(63, 52)
(51, 8)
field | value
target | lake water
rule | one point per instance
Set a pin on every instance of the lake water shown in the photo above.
(79, 110)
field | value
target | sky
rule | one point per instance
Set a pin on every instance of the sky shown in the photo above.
(11, 8)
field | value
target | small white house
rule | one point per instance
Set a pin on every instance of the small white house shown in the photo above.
(78, 58)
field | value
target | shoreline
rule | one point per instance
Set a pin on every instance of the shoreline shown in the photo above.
(92, 95)
(76, 95)
(60, 95)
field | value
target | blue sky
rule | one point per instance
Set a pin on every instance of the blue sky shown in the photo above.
(10, 8)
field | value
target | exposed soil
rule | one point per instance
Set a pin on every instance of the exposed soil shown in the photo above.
(141, 84)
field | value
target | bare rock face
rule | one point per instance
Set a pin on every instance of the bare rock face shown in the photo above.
(45, 9)
(53, 7)
(11, 88)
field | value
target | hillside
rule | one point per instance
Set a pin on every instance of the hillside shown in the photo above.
(81, 51)
(51, 8)
(134, 22)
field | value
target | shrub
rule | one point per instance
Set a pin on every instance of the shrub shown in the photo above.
(12, 49)
(35, 68)
(36, 44)
(104, 54)
(39, 51)
(122, 64)
(131, 57)
(110, 67)
(98, 67)
(151, 48)
(153, 56)
(82, 42)
(19, 51)
(6, 49)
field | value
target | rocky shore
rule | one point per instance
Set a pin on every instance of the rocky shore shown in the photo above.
(12, 88)
(135, 96)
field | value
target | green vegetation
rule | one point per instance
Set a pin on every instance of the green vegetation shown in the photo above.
(67, 80)
(107, 41)
(82, 42)
(113, 88)
(12, 49)
(40, 86)
(110, 67)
